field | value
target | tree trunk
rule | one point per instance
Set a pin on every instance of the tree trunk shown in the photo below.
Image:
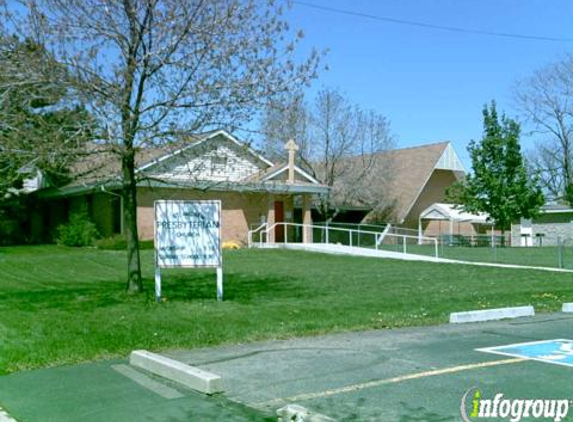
(134, 283)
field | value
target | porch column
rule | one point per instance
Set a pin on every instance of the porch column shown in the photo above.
(289, 231)
(271, 218)
(306, 218)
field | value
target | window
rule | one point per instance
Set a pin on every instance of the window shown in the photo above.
(218, 164)
(117, 214)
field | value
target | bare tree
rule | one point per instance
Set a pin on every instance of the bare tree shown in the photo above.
(364, 177)
(33, 106)
(150, 70)
(340, 145)
(546, 101)
(287, 117)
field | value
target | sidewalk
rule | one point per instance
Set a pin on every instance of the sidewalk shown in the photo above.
(111, 391)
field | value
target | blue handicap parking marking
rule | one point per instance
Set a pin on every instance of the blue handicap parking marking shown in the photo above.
(559, 351)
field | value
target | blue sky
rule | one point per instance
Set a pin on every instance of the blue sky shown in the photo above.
(432, 84)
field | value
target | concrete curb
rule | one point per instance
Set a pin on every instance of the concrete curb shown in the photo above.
(567, 307)
(491, 314)
(190, 376)
(296, 413)
(5, 417)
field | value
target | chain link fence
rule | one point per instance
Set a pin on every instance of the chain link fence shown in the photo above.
(548, 252)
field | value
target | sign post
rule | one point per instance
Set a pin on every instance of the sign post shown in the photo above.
(188, 235)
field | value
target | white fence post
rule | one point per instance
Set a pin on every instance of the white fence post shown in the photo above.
(404, 244)
(350, 236)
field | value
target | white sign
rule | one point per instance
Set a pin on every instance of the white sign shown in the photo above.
(188, 235)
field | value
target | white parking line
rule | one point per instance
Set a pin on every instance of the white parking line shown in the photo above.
(377, 383)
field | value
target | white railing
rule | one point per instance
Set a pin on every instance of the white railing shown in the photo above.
(380, 238)
(401, 240)
(254, 231)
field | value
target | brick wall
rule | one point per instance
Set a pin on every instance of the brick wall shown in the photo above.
(440, 227)
(551, 226)
(239, 210)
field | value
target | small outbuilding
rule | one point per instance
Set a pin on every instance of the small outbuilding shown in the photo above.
(554, 223)
(449, 220)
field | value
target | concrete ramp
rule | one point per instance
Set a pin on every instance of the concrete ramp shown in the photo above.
(350, 250)
(356, 251)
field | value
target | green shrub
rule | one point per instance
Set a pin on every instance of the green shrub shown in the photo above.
(79, 231)
(146, 244)
(117, 242)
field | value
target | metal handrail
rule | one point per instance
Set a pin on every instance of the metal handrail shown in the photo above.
(349, 231)
(251, 232)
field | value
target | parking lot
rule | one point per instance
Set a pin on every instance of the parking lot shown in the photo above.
(413, 374)
(393, 375)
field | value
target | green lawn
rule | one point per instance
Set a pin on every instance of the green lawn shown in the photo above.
(61, 305)
(546, 256)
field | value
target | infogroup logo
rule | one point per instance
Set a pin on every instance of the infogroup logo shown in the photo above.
(475, 407)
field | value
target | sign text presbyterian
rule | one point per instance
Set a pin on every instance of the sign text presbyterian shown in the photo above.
(188, 234)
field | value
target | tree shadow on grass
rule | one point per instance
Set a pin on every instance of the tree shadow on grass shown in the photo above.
(177, 285)
(85, 297)
(237, 287)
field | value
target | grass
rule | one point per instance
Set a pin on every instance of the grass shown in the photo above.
(60, 305)
(546, 256)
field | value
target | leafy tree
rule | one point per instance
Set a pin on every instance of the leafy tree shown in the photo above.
(499, 185)
(153, 70)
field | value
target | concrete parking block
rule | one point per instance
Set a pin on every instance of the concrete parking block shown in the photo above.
(192, 377)
(491, 314)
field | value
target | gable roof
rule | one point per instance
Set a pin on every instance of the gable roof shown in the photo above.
(100, 167)
(199, 140)
(407, 171)
(101, 164)
(412, 168)
(452, 212)
(275, 171)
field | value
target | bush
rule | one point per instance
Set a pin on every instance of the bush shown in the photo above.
(80, 231)
(117, 242)
(15, 212)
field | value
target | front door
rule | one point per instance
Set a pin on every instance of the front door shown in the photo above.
(279, 218)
